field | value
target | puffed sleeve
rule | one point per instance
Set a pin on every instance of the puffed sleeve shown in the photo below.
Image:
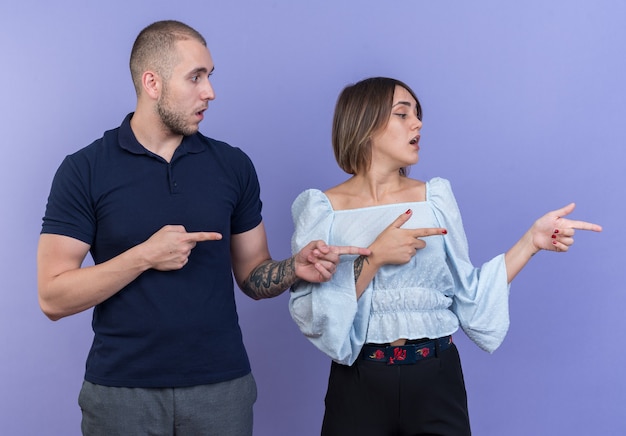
(481, 295)
(328, 314)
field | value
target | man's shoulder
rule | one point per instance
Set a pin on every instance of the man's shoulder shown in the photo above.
(212, 142)
(95, 148)
(108, 138)
(220, 147)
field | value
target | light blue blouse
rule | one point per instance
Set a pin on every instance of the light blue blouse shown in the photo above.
(429, 297)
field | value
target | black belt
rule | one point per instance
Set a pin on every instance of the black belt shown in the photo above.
(405, 354)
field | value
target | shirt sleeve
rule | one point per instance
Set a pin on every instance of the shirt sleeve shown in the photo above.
(247, 214)
(328, 314)
(69, 211)
(481, 295)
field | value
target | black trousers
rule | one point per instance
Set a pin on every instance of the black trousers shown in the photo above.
(375, 399)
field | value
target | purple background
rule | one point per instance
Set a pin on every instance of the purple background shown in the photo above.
(525, 107)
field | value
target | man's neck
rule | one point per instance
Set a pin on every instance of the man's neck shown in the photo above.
(154, 136)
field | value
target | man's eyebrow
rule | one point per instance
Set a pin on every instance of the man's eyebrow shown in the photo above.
(201, 70)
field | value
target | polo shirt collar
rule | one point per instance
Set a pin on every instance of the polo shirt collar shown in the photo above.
(128, 141)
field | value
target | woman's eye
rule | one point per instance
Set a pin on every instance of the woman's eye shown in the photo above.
(403, 116)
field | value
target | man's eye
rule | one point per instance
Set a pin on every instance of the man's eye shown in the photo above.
(195, 78)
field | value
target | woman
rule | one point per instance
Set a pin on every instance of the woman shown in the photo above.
(386, 320)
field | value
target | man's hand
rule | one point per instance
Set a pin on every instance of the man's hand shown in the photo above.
(170, 247)
(317, 261)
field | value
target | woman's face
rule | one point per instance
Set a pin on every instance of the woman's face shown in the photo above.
(396, 145)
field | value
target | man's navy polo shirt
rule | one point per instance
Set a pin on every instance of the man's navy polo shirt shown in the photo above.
(172, 328)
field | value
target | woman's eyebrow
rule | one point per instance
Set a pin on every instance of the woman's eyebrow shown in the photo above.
(405, 103)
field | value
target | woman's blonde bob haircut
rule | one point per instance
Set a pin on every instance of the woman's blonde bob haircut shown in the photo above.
(362, 110)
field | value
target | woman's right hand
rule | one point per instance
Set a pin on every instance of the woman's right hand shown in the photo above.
(396, 246)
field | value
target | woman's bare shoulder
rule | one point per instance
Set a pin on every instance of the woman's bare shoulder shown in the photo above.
(341, 197)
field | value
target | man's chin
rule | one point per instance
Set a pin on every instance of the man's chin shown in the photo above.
(192, 131)
(187, 131)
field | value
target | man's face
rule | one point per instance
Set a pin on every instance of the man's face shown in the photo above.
(186, 94)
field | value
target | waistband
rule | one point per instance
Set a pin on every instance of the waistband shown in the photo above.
(405, 354)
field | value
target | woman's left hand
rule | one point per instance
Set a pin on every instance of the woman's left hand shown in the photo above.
(553, 232)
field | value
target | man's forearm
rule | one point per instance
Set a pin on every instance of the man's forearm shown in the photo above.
(364, 273)
(270, 279)
(81, 288)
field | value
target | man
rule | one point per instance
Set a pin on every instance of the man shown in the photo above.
(168, 216)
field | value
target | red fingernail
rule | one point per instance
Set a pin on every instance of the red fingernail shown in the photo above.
(553, 236)
(556, 230)
(408, 211)
(553, 242)
(444, 231)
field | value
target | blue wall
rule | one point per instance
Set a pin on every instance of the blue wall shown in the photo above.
(524, 104)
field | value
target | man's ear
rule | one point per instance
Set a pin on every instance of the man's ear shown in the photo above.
(152, 84)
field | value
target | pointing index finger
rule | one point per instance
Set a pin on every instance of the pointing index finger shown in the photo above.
(429, 231)
(583, 225)
(204, 236)
(351, 250)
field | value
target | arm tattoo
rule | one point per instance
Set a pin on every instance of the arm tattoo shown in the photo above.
(358, 267)
(270, 279)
